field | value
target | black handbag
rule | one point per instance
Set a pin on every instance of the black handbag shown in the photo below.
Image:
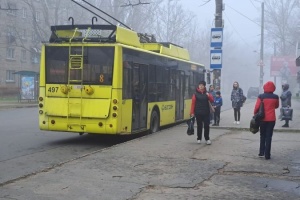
(190, 123)
(254, 126)
(261, 112)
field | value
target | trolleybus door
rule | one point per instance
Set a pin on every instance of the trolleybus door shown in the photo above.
(139, 96)
(179, 94)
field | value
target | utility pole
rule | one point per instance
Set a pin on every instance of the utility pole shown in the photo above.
(218, 24)
(261, 77)
(218, 15)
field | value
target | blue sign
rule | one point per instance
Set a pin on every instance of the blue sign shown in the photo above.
(216, 37)
(216, 59)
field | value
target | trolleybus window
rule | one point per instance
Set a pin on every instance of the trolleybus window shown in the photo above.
(97, 65)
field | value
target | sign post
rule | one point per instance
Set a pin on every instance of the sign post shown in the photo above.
(216, 56)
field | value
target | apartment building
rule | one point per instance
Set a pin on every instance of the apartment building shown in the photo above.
(20, 41)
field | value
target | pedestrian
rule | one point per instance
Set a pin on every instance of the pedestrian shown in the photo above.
(200, 108)
(237, 99)
(286, 102)
(271, 102)
(218, 102)
(213, 93)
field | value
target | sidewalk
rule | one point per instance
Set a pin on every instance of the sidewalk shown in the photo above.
(227, 118)
(169, 165)
(16, 104)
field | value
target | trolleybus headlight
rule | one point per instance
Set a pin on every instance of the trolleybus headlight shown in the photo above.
(115, 101)
(100, 124)
(41, 98)
(114, 115)
(110, 125)
(115, 108)
(41, 112)
(52, 121)
(41, 105)
(44, 122)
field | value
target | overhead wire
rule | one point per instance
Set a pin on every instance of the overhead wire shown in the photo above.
(244, 15)
(205, 3)
(236, 30)
(254, 5)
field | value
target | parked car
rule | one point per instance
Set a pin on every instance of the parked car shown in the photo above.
(253, 92)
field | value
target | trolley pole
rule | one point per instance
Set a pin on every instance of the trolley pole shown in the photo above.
(218, 24)
(261, 76)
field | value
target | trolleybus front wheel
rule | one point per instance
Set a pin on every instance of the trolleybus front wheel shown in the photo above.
(154, 122)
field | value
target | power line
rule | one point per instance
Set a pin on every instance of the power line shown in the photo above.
(254, 5)
(205, 3)
(244, 15)
(236, 30)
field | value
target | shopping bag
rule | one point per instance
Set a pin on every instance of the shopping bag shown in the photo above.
(286, 113)
(190, 123)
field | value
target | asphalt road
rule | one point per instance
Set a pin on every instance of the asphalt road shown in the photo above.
(25, 150)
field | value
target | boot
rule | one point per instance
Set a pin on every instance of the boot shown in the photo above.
(285, 125)
(218, 122)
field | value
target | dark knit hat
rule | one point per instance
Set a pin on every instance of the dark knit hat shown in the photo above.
(202, 83)
(218, 92)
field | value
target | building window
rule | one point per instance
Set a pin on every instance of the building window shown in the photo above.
(11, 35)
(24, 13)
(10, 53)
(34, 37)
(24, 35)
(35, 58)
(10, 76)
(37, 16)
(12, 9)
(23, 55)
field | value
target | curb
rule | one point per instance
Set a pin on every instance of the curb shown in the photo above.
(247, 129)
(17, 106)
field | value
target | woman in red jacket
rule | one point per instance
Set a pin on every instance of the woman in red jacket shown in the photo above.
(201, 109)
(271, 102)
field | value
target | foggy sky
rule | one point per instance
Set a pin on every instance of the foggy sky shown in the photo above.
(241, 30)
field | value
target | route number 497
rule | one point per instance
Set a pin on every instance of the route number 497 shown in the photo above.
(53, 89)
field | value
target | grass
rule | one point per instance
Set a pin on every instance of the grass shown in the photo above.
(9, 98)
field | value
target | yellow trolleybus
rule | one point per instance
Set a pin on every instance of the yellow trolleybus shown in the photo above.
(105, 79)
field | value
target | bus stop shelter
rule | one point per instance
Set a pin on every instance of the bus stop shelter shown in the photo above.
(28, 85)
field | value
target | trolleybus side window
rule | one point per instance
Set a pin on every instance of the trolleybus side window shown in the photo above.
(127, 77)
(152, 83)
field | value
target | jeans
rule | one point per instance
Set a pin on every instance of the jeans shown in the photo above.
(266, 133)
(217, 115)
(203, 119)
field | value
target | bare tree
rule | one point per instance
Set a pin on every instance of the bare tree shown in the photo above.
(280, 22)
(172, 22)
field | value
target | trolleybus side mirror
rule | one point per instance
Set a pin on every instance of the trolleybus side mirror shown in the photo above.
(298, 61)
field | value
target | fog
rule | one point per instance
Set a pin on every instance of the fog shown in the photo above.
(242, 38)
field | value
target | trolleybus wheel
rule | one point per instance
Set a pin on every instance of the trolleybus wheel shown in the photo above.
(154, 122)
